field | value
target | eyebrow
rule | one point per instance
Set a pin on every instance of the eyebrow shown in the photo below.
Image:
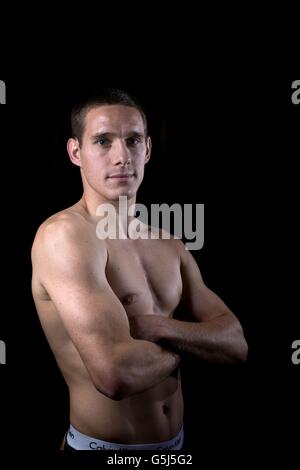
(99, 135)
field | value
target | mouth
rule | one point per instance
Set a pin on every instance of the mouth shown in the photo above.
(121, 176)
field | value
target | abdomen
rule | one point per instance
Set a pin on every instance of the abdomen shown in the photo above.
(152, 416)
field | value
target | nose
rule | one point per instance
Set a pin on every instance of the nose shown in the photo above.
(121, 154)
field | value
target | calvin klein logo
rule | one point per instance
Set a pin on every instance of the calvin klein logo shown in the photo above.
(2, 92)
(2, 352)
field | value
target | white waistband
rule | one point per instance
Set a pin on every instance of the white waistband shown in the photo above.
(80, 441)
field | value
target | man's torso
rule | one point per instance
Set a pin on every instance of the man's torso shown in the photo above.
(145, 276)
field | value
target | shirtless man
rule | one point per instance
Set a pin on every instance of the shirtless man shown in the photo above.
(107, 306)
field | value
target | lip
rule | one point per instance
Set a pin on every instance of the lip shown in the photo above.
(121, 176)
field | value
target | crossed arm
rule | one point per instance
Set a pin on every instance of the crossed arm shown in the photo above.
(213, 335)
(123, 359)
(94, 318)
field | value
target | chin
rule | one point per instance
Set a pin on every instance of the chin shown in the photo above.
(128, 194)
(115, 196)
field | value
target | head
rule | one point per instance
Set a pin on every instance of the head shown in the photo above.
(110, 144)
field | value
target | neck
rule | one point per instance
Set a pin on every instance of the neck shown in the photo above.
(98, 206)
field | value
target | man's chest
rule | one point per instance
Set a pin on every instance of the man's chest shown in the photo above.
(145, 277)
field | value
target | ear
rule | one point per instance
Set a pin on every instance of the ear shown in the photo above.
(148, 149)
(73, 148)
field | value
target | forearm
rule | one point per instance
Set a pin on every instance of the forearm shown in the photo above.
(143, 364)
(219, 340)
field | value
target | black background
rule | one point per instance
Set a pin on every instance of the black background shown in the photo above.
(224, 140)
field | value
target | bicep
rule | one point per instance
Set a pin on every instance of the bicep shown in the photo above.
(92, 315)
(89, 310)
(96, 322)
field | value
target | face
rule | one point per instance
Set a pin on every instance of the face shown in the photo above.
(113, 152)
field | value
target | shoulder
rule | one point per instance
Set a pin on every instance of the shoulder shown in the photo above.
(177, 245)
(60, 227)
(168, 240)
(65, 235)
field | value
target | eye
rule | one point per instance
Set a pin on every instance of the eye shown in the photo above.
(103, 141)
(134, 140)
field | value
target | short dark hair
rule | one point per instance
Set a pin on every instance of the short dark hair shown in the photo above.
(105, 96)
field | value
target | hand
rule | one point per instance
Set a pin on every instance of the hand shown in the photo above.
(146, 327)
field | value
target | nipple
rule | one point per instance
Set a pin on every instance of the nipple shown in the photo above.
(129, 299)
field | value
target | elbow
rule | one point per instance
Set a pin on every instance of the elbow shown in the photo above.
(245, 350)
(117, 391)
(241, 347)
(235, 347)
(235, 354)
(113, 385)
(241, 354)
